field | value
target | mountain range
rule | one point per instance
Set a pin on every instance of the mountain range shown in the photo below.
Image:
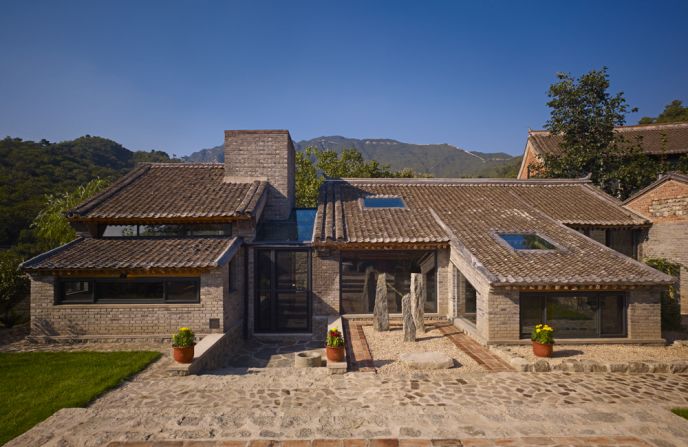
(438, 160)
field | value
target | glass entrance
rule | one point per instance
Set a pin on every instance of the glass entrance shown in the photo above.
(283, 299)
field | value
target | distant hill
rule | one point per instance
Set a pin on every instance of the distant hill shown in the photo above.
(29, 170)
(439, 160)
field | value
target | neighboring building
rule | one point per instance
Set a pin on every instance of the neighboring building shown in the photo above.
(221, 248)
(665, 204)
(659, 140)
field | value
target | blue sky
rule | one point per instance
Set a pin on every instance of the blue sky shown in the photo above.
(172, 75)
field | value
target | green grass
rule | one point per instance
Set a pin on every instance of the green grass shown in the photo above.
(683, 412)
(34, 385)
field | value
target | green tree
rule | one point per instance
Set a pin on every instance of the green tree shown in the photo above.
(313, 166)
(50, 225)
(674, 112)
(585, 113)
(14, 286)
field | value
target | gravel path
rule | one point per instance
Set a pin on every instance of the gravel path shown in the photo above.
(386, 347)
(605, 353)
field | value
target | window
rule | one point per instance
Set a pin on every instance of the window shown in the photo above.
(167, 230)
(298, 228)
(383, 202)
(525, 241)
(359, 272)
(466, 298)
(140, 290)
(575, 315)
(623, 240)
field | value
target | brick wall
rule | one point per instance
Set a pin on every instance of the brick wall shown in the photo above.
(667, 202)
(49, 319)
(644, 314)
(502, 315)
(264, 154)
(325, 290)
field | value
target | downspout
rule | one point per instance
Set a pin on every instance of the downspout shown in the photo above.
(245, 319)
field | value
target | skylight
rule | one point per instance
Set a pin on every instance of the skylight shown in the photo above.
(383, 202)
(526, 241)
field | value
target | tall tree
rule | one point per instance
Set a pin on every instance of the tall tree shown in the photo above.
(51, 225)
(673, 112)
(585, 113)
(313, 166)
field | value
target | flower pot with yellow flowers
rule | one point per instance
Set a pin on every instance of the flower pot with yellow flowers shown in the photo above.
(183, 345)
(543, 340)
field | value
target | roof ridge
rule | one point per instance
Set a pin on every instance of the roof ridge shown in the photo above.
(184, 165)
(652, 126)
(467, 181)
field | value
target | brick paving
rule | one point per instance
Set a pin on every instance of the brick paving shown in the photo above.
(543, 441)
(359, 356)
(476, 351)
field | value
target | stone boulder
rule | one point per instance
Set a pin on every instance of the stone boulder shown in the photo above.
(426, 360)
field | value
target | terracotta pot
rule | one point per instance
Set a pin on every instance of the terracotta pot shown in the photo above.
(183, 355)
(543, 350)
(335, 354)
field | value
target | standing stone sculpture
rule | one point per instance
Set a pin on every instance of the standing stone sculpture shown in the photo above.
(407, 314)
(418, 300)
(380, 312)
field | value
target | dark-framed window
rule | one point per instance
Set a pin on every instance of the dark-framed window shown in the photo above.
(623, 240)
(166, 230)
(127, 291)
(575, 314)
(358, 272)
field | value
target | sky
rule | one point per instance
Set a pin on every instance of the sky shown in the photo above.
(173, 75)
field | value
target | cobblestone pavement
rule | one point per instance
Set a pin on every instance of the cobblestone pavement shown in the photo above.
(288, 403)
(256, 353)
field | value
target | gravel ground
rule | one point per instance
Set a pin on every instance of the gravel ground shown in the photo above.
(605, 353)
(386, 347)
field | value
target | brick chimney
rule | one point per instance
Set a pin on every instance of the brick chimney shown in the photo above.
(267, 155)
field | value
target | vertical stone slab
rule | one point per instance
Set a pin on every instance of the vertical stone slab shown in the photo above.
(380, 312)
(409, 324)
(418, 300)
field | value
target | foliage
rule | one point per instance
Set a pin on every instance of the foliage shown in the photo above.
(542, 334)
(334, 338)
(37, 384)
(313, 166)
(671, 308)
(50, 225)
(673, 112)
(14, 286)
(585, 114)
(683, 412)
(184, 338)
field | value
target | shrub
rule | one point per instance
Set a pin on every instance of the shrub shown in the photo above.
(14, 286)
(184, 338)
(671, 308)
(542, 334)
(334, 338)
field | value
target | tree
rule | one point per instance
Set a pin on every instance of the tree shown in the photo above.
(585, 114)
(51, 225)
(674, 112)
(313, 166)
(14, 286)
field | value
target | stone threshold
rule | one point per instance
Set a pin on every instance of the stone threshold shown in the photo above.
(542, 441)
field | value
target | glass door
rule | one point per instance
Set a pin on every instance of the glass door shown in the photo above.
(282, 301)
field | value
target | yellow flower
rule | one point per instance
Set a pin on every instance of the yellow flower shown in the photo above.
(184, 329)
(537, 330)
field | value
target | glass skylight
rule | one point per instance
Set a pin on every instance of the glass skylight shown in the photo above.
(525, 241)
(383, 202)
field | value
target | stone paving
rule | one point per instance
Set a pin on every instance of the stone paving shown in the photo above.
(305, 404)
(257, 353)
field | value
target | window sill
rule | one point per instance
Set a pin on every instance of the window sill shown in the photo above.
(125, 305)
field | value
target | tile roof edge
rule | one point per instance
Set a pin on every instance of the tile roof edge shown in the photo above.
(616, 202)
(99, 198)
(26, 265)
(666, 177)
(234, 244)
(653, 126)
(455, 243)
(460, 181)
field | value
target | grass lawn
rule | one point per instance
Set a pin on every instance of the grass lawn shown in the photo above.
(34, 385)
(683, 412)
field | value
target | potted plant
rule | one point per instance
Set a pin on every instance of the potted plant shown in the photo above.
(543, 340)
(183, 345)
(335, 345)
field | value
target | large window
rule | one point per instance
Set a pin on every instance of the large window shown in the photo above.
(115, 290)
(575, 315)
(359, 272)
(167, 230)
(466, 297)
(622, 240)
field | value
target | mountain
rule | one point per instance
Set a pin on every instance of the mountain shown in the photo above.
(29, 170)
(439, 160)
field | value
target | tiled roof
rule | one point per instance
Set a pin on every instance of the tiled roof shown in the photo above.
(469, 213)
(173, 191)
(136, 254)
(652, 138)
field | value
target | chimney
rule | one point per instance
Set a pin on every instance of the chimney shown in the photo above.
(265, 155)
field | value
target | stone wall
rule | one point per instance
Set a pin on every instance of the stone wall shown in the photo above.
(667, 202)
(264, 154)
(81, 320)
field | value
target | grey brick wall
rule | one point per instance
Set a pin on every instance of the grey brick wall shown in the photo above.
(49, 319)
(264, 154)
(644, 314)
